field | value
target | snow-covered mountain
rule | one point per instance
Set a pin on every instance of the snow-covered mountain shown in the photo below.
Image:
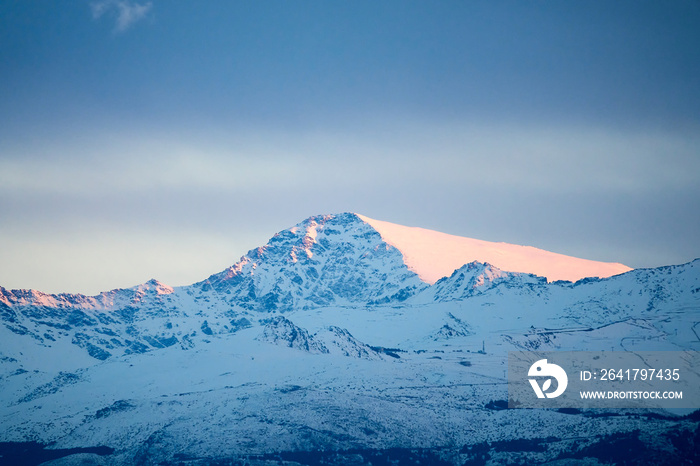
(324, 260)
(333, 344)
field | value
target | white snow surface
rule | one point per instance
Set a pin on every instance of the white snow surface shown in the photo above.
(433, 255)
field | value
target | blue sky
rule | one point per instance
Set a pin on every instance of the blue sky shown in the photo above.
(164, 139)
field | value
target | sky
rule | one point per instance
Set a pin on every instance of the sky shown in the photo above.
(165, 138)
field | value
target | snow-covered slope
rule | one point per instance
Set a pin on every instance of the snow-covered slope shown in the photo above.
(433, 255)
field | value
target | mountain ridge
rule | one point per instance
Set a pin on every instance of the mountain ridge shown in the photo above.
(302, 238)
(331, 261)
(360, 355)
(433, 255)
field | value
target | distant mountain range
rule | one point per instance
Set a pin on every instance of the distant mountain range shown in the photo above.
(342, 340)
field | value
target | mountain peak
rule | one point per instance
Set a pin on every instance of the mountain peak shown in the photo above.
(154, 286)
(433, 255)
(323, 260)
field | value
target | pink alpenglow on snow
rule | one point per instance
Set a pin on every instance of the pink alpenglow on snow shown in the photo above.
(433, 255)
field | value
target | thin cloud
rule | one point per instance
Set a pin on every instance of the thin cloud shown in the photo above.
(127, 12)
